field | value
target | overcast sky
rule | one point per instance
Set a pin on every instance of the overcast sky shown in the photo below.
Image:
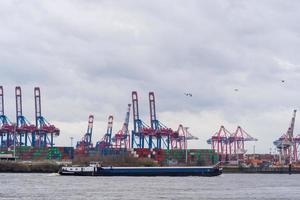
(88, 55)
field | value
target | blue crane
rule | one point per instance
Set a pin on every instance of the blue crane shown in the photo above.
(6, 127)
(44, 130)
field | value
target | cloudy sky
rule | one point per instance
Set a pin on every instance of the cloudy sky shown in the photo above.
(87, 57)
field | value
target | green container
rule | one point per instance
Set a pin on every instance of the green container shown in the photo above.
(36, 154)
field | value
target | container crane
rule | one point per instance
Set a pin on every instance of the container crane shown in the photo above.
(45, 131)
(122, 137)
(105, 142)
(141, 131)
(161, 132)
(287, 144)
(25, 130)
(237, 143)
(220, 143)
(180, 137)
(86, 142)
(6, 127)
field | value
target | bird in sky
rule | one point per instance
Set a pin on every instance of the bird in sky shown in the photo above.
(188, 94)
(236, 89)
(282, 81)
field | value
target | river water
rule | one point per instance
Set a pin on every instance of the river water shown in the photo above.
(226, 186)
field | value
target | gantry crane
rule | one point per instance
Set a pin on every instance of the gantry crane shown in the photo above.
(44, 130)
(105, 142)
(25, 130)
(122, 138)
(86, 142)
(6, 126)
(287, 144)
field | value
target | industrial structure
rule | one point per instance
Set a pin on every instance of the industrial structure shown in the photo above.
(106, 143)
(144, 141)
(23, 133)
(121, 139)
(25, 130)
(230, 146)
(180, 137)
(157, 136)
(161, 133)
(6, 127)
(288, 144)
(44, 130)
(86, 142)
(237, 141)
(156, 140)
(34, 141)
(140, 133)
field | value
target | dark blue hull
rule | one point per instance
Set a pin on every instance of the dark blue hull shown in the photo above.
(147, 171)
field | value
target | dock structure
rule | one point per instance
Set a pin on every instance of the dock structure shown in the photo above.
(45, 132)
(86, 142)
(121, 139)
(7, 128)
(230, 146)
(144, 139)
(22, 132)
(288, 144)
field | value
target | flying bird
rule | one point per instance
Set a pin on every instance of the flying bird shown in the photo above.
(236, 89)
(282, 81)
(188, 94)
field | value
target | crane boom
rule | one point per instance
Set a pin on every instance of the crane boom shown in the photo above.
(290, 131)
(1, 101)
(126, 122)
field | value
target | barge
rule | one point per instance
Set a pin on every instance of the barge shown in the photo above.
(97, 170)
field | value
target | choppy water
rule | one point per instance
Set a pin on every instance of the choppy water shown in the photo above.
(226, 186)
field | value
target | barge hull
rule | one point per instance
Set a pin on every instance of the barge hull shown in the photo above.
(131, 171)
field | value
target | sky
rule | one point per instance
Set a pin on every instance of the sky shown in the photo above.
(87, 56)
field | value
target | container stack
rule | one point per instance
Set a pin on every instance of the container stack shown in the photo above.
(41, 153)
(54, 154)
(193, 156)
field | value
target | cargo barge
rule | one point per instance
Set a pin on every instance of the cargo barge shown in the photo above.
(96, 170)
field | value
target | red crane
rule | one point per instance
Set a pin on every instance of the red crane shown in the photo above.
(180, 137)
(122, 137)
(237, 144)
(158, 130)
(25, 130)
(141, 131)
(220, 143)
(230, 146)
(44, 130)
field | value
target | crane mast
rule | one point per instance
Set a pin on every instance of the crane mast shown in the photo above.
(24, 128)
(109, 131)
(89, 130)
(44, 130)
(86, 142)
(122, 137)
(154, 122)
(137, 124)
(287, 144)
(106, 142)
(290, 131)
(1, 101)
(6, 127)
(19, 115)
(126, 121)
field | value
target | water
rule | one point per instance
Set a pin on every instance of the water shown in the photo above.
(226, 186)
